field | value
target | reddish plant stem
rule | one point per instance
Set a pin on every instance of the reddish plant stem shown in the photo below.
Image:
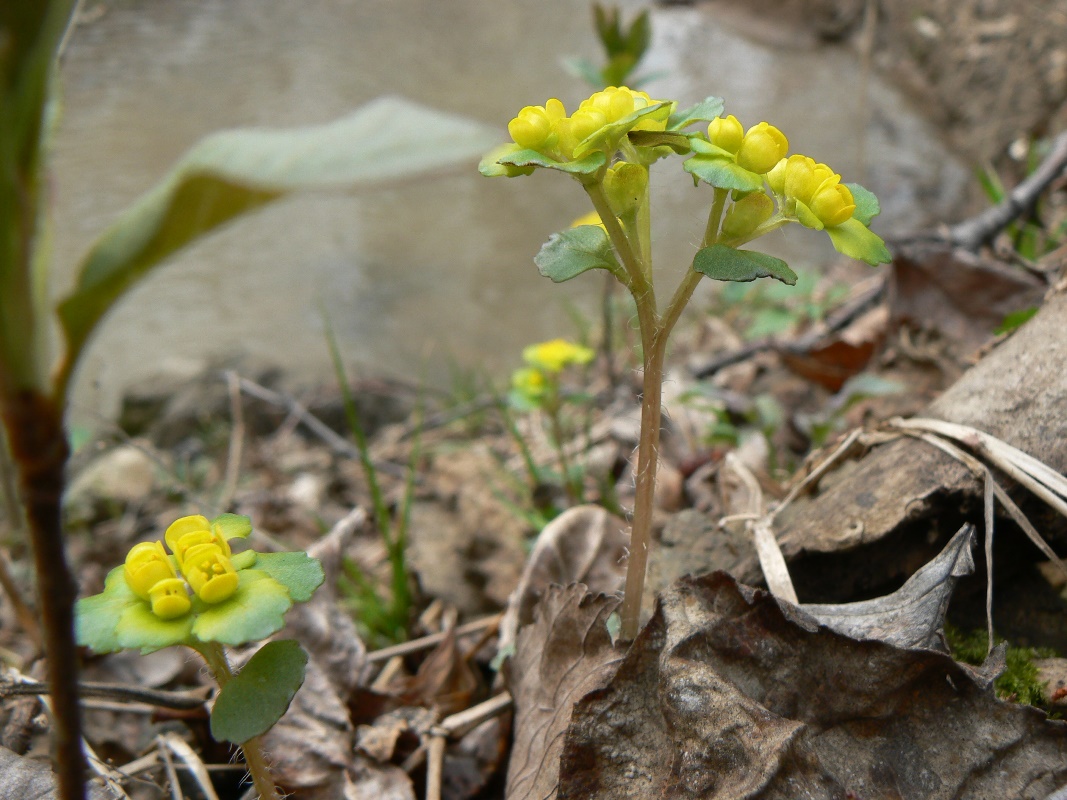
(34, 425)
(647, 462)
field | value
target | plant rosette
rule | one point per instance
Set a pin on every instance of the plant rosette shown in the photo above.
(199, 593)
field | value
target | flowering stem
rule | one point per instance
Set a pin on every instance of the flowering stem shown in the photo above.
(553, 409)
(255, 760)
(654, 334)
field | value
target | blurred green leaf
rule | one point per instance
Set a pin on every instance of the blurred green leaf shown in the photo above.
(1015, 320)
(867, 207)
(233, 172)
(722, 173)
(705, 111)
(298, 572)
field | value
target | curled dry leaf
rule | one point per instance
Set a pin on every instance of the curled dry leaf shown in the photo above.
(914, 615)
(728, 694)
(562, 656)
(584, 544)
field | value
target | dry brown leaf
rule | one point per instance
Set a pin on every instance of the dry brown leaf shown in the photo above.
(964, 297)
(584, 544)
(562, 656)
(23, 778)
(444, 679)
(370, 780)
(729, 694)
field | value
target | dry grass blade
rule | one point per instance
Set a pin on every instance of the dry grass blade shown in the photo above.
(1036, 476)
(771, 560)
(196, 767)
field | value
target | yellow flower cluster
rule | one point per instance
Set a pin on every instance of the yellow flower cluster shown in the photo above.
(548, 130)
(822, 201)
(554, 355)
(202, 556)
(758, 149)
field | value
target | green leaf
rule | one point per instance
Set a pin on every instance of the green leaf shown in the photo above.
(257, 697)
(140, 629)
(531, 158)
(234, 526)
(728, 264)
(1015, 319)
(233, 172)
(491, 167)
(298, 572)
(855, 240)
(569, 253)
(678, 142)
(867, 207)
(255, 611)
(244, 559)
(96, 618)
(705, 111)
(723, 173)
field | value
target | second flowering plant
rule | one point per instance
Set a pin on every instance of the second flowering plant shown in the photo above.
(607, 145)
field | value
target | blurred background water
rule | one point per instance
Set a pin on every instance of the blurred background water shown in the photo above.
(421, 277)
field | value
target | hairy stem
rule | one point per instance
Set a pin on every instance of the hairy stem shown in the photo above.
(34, 425)
(647, 462)
(255, 760)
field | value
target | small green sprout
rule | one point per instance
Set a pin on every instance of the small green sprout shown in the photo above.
(203, 595)
(608, 145)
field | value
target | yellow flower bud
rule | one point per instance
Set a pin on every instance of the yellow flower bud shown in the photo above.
(169, 599)
(534, 127)
(776, 177)
(803, 177)
(146, 565)
(726, 133)
(210, 573)
(625, 185)
(832, 203)
(182, 526)
(592, 218)
(613, 102)
(579, 126)
(554, 355)
(762, 147)
(747, 214)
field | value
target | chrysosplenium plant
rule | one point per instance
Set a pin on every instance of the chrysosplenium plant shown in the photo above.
(203, 595)
(608, 145)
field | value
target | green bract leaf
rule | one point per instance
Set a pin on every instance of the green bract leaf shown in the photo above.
(234, 526)
(255, 611)
(606, 137)
(139, 628)
(491, 167)
(96, 618)
(531, 158)
(855, 240)
(569, 253)
(230, 173)
(729, 264)
(867, 207)
(257, 697)
(705, 111)
(678, 142)
(723, 173)
(299, 573)
(244, 559)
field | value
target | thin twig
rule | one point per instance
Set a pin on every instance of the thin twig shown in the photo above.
(178, 746)
(971, 234)
(864, 297)
(426, 642)
(179, 701)
(334, 440)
